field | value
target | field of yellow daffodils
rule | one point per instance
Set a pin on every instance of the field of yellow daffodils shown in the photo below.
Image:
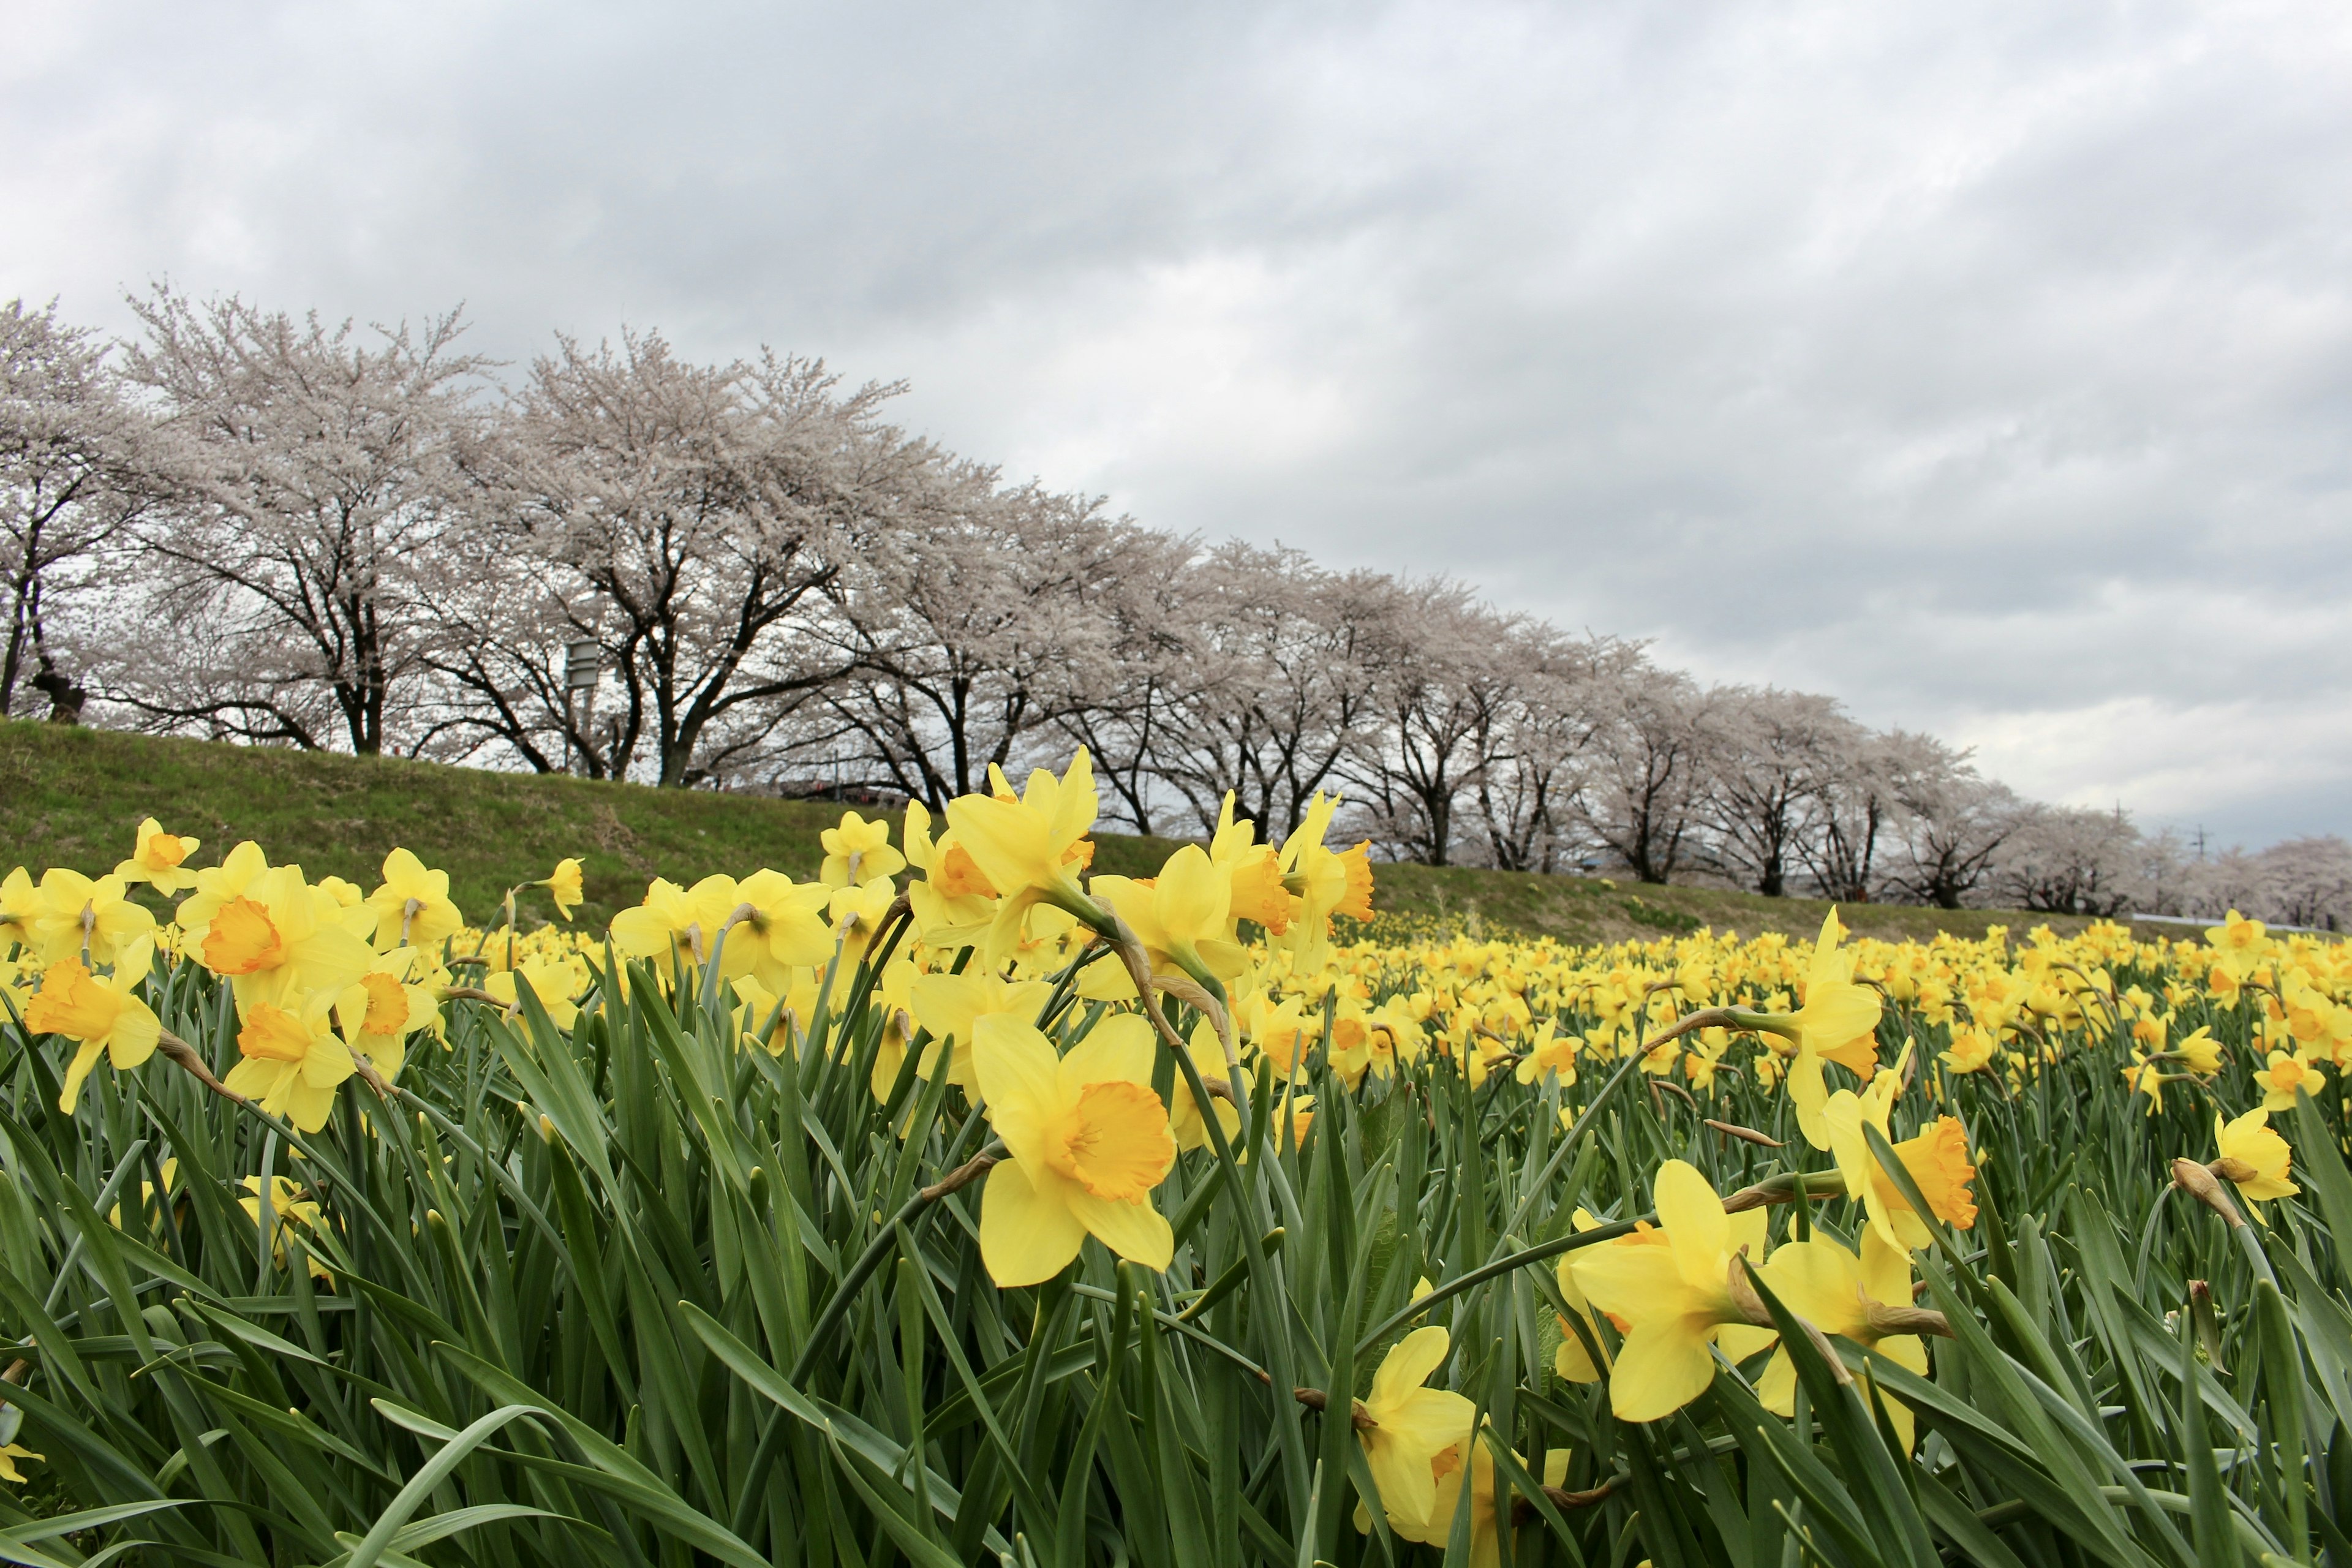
(962, 1207)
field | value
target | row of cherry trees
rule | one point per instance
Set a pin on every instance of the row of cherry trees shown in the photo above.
(279, 530)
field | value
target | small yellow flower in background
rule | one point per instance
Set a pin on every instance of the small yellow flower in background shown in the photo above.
(413, 908)
(100, 1014)
(2201, 1051)
(1087, 1140)
(1838, 1023)
(288, 1209)
(293, 1062)
(2253, 1157)
(1840, 1293)
(565, 886)
(9, 1454)
(157, 859)
(2286, 1073)
(87, 918)
(1412, 1426)
(553, 980)
(2240, 945)
(759, 1004)
(1550, 1052)
(1972, 1051)
(1669, 1288)
(858, 851)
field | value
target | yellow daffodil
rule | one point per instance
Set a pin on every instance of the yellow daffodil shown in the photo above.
(87, 918)
(2287, 1072)
(20, 908)
(268, 932)
(1838, 1023)
(377, 1012)
(1253, 872)
(157, 859)
(1971, 1050)
(780, 925)
(1937, 1160)
(1031, 847)
(1181, 916)
(1087, 1140)
(9, 1454)
(793, 1008)
(949, 1005)
(1866, 1299)
(677, 924)
(858, 914)
(98, 1013)
(1411, 1426)
(565, 886)
(857, 851)
(288, 1209)
(2253, 1157)
(293, 1062)
(954, 903)
(554, 982)
(2201, 1051)
(1671, 1288)
(413, 908)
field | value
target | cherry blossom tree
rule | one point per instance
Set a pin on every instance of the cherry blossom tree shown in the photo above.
(279, 586)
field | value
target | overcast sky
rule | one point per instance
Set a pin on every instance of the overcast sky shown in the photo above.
(1987, 366)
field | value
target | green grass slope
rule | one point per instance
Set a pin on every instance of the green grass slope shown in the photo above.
(74, 797)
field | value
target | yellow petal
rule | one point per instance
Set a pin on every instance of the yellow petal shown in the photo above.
(1026, 1237)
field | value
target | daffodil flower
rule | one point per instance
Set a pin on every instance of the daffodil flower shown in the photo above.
(293, 1062)
(1936, 1159)
(379, 1011)
(2253, 1157)
(101, 1014)
(158, 859)
(1671, 1289)
(565, 886)
(857, 851)
(268, 932)
(87, 918)
(949, 1005)
(1087, 1140)
(1030, 848)
(1182, 917)
(2287, 1072)
(413, 908)
(1866, 1299)
(1408, 1426)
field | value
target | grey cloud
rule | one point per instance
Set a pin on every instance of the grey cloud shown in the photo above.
(1990, 368)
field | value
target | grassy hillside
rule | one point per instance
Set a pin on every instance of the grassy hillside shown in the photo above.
(74, 797)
